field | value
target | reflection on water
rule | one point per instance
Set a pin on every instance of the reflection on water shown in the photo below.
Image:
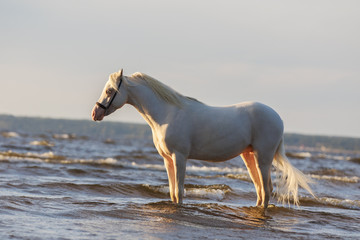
(216, 215)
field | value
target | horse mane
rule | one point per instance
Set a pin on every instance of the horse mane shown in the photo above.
(166, 93)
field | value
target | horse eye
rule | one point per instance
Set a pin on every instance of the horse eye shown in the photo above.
(108, 91)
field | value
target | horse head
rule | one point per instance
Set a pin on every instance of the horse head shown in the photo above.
(112, 97)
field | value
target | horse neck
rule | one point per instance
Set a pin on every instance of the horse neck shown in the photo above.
(153, 109)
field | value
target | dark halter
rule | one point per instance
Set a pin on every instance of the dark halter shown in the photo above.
(113, 97)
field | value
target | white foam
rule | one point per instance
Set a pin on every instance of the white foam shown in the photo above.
(10, 134)
(319, 156)
(352, 179)
(30, 156)
(141, 165)
(42, 143)
(188, 168)
(340, 202)
(63, 136)
(300, 155)
(304, 154)
(44, 155)
(161, 189)
(208, 193)
(147, 166)
(215, 194)
(10, 155)
(89, 161)
(339, 158)
(242, 176)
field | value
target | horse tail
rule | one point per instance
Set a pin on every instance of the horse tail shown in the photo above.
(288, 182)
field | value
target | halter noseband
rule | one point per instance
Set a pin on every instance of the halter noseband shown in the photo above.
(112, 98)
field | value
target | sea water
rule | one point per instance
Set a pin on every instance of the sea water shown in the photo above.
(63, 186)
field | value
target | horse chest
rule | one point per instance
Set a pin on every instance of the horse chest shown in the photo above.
(161, 148)
(169, 140)
(161, 145)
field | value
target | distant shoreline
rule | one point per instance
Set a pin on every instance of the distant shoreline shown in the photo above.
(39, 125)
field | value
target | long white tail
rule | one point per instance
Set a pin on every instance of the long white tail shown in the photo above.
(289, 179)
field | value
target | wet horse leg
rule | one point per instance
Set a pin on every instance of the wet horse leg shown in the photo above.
(169, 165)
(251, 163)
(179, 162)
(175, 166)
(264, 163)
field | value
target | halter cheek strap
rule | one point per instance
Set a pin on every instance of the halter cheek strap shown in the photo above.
(113, 97)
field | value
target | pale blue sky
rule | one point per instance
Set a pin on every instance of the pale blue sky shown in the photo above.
(300, 57)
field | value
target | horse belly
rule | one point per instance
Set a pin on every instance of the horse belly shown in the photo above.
(219, 149)
(215, 155)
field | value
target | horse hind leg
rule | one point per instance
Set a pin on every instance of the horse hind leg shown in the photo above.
(250, 160)
(264, 164)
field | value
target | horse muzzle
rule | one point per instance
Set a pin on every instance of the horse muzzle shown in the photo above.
(98, 113)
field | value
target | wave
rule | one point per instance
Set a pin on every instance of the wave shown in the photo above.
(346, 203)
(108, 161)
(323, 201)
(10, 134)
(64, 136)
(110, 189)
(299, 155)
(142, 165)
(109, 141)
(68, 136)
(17, 147)
(332, 202)
(190, 168)
(309, 155)
(332, 157)
(42, 143)
(352, 179)
(164, 189)
(29, 156)
(243, 176)
(233, 173)
(53, 158)
(213, 192)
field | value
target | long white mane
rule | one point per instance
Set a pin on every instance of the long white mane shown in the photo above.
(166, 93)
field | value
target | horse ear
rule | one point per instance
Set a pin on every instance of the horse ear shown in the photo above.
(120, 73)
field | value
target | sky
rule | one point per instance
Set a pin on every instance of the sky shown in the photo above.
(302, 58)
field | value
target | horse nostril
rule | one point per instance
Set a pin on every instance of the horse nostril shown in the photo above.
(93, 114)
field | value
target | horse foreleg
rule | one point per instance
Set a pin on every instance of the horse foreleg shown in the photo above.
(179, 162)
(251, 163)
(169, 165)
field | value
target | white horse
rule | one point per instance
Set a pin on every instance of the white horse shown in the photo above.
(184, 128)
